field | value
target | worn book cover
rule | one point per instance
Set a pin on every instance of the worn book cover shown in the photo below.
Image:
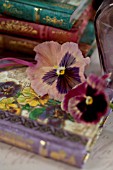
(85, 39)
(49, 13)
(36, 31)
(39, 125)
(49, 107)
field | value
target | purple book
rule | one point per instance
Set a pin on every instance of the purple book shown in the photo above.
(37, 124)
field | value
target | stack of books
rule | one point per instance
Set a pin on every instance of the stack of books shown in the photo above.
(27, 120)
(24, 24)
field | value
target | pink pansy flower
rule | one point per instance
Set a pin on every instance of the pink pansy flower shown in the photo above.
(87, 102)
(59, 68)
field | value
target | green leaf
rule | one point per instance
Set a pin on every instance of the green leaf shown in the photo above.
(36, 113)
(111, 105)
(26, 107)
(53, 102)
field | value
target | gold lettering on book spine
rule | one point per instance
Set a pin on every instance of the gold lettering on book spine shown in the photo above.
(22, 44)
(7, 5)
(11, 9)
(17, 27)
(53, 20)
(16, 140)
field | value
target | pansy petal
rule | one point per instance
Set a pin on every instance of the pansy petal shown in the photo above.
(73, 109)
(100, 103)
(42, 88)
(91, 91)
(67, 60)
(72, 48)
(96, 82)
(67, 81)
(48, 52)
(89, 116)
(79, 90)
(50, 77)
(93, 113)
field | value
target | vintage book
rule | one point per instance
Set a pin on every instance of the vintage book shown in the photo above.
(86, 42)
(54, 14)
(18, 44)
(16, 27)
(89, 33)
(26, 46)
(71, 2)
(38, 124)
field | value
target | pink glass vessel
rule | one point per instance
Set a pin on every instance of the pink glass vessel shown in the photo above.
(104, 35)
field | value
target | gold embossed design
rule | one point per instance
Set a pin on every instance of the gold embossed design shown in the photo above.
(17, 26)
(71, 160)
(13, 139)
(5, 5)
(10, 8)
(53, 20)
(42, 149)
(21, 44)
(62, 156)
(37, 14)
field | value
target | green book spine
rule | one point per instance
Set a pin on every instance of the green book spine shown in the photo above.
(36, 14)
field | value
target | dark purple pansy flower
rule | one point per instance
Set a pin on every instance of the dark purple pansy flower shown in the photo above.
(9, 89)
(87, 102)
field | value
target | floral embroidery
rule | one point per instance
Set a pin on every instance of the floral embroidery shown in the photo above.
(55, 116)
(9, 89)
(28, 96)
(10, 105)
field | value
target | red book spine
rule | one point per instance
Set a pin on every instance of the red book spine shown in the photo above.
(36, 31)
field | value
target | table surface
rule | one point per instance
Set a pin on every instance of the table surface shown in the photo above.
(101, 158)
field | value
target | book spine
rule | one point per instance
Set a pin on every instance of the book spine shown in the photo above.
(36, 31)
(30, 136)
(17, 44)
(87, 42)
(35, 14)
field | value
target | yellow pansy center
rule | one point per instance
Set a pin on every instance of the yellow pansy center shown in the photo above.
(60, 71)
(89, 100)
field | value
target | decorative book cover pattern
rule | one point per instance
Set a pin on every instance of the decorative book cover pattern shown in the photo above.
(54, 14)
(36, 31)
(86, 41)
(39, 125)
